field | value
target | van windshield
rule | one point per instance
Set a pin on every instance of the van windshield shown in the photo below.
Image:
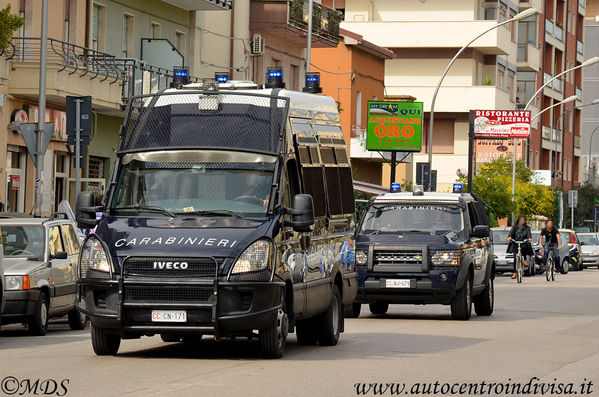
(413, 218)
(233, 188)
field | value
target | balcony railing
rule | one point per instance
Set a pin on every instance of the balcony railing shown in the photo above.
(557, 85)
(577, 141)
(552, 134)
(522, 52)
(549, 26)
(578, 94)
(559, 33)
(579, 47)
(582, 3)
(325, 21)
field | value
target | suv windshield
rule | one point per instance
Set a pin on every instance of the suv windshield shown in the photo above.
(413, 218)
(23, 241)
(226, 188)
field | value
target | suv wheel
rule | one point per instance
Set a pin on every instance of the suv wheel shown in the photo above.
(331, 320)
(38, 324)
(483, 303)
(77, 320)
(274, 337)
(379, 307)
(461, 305)
(104, 342)
(353, 310)
(306, 331)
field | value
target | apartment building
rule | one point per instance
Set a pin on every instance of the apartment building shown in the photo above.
(590, 87)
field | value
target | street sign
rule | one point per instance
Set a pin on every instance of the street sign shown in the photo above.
(28, 131)
(493, 124)
(394, 126)
(85, 119)
(572, 198)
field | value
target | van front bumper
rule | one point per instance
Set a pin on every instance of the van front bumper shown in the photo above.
(233, 308)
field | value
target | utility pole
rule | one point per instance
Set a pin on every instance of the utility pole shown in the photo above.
(309, 47)
(41, 117)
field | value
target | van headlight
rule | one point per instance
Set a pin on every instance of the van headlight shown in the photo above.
(257, 256)
(94, 260)
(446, 258)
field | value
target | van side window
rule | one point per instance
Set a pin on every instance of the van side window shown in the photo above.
(472, 215)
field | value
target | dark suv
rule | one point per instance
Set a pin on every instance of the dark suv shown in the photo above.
(423, 248)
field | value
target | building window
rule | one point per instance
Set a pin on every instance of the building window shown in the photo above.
(295, 77)
(127, 35)
(501, 77)
(155, 30)
(527, 85)
(180, 41)
(98, 27)
(510, 82)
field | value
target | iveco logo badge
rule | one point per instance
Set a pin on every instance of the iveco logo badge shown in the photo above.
(171, 265)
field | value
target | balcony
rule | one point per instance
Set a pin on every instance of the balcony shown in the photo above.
(71, 70)
(288, 21)
(578, 94)
(582, 5)
(579, 51)
(435, 34)
(202, 5)
(552, 138)
(528, 58)
(553, 90)
(554, 34)
(577, 141)
(524, 4)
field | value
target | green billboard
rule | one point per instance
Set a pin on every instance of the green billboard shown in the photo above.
(394, 126)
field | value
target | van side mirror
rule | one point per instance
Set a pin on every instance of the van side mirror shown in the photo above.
(480, 231)
(85, 211)
(302, 213)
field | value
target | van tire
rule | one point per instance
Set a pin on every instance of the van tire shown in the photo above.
(484, 302)
(274, 337)
(461, 304)
(105, 343)
(331, 320)
(77, 320)
(379, 308)
(38, 324)
(353, 310)
(306, 331)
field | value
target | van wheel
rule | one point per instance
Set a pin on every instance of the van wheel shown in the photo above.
(565, 267)
(379, 307)
(38, 325)
(353, 310)
(170, 338)
(483, 303)
(331, 320)
(105, 343)
(461, 304)
(274, 337)
(77, 320)
(306, 331)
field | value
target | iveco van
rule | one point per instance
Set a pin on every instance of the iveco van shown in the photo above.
(230, 212)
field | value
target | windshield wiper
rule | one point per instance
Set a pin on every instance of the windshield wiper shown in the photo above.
(211, 212)
(146, 208)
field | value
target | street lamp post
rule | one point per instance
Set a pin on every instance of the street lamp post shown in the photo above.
(41, 116)
(524, 14)
(589, 159)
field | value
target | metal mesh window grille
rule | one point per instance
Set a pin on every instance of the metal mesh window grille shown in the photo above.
(193, 119)
(347, 190)
(314, 185)
(341, 156)
(328, 155)
(335, 203)
(314, 155)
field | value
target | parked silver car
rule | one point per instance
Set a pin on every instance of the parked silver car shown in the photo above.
(40, 260)
(504, 262)
(589, 243)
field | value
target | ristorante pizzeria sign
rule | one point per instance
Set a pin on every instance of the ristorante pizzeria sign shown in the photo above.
(494, 124)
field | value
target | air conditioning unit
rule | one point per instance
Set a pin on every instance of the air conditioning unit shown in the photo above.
(258, 45)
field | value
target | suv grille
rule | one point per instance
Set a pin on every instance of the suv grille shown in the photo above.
(179, 294)
(407, 257)
(157, 268)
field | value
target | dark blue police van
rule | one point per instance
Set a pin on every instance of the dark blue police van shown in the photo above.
(229, 212)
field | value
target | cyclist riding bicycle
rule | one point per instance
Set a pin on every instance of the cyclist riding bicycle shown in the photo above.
(520, 232)
(553, 241)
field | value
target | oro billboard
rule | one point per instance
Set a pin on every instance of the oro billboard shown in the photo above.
(394, 126)
(494, 124)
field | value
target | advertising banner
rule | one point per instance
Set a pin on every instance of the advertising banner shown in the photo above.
(394, 126)
(493, 124)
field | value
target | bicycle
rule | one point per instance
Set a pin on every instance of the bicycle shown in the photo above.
(519, 260)
(550, 266)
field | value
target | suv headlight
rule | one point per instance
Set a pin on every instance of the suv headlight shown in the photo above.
(446, 258)
(94, 261)
(257, 256)
(361, 257)
(15, 283)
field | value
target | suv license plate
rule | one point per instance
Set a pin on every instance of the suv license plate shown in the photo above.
(169, 316)
(397, 283)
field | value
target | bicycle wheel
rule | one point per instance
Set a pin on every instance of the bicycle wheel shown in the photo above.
(519, 269)
(548, 267)
(552, 271)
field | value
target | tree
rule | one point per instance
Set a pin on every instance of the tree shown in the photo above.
(9, 23)
(587, 194)
(493, 183)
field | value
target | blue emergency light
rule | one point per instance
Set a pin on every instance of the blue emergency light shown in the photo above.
(180, 77)
(396, 187)
(221, 77)
(313, 83)
(458, 188)
(274, 78)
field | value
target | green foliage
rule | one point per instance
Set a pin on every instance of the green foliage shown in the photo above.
(9, 23)
(493, 183)
(587, 194)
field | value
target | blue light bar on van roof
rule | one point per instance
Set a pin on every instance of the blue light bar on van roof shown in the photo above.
(181, 73)
(180, 77)
(274, 78)
(221, 77)
(458, 188)
(313, 83)
(396, 187)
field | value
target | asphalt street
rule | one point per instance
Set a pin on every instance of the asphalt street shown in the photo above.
(538, 329)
